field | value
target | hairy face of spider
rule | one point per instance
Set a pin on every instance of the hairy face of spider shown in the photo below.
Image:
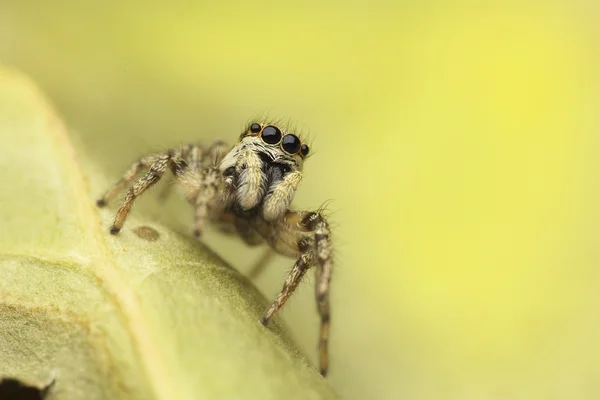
(264, 168)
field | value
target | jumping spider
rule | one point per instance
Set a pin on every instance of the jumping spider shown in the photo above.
(248, 187)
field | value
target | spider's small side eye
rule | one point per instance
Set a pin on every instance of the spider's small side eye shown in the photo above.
(229, 172)
(291, 144)
(255, 128)
(271, 135)
(304, 150)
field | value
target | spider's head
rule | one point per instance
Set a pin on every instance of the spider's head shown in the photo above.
(287, 144)
(274, 148)
(262, 158)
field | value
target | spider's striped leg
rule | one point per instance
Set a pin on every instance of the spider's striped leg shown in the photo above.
(216, 152)
(193, 156)
(312, 234)
(126, 179)
(171, 160)
(291, 283)
(324, 261)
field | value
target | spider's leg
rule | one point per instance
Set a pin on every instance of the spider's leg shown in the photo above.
(216, 152)
(192, 154)
(290, 284)
(157, 169)
(280, 196)
(314, 243)
(126, 179)
(211, 195)
(324, 257)
(209, 187)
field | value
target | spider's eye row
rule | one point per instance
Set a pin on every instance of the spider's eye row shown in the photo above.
(271, 135)
(291, 144)
(304, 150)
(255, 128)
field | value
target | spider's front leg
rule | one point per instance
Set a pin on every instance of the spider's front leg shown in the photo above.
(126, 179)
(157, 166)
(312, 236)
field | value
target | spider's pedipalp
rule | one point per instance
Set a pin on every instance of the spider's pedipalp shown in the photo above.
(280, 196)
(251, 180)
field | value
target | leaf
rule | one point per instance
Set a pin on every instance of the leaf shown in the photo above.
(147, 314)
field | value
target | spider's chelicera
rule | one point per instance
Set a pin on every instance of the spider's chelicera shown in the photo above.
(249, 186)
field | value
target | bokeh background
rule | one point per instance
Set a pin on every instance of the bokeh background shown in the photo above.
(457, 143)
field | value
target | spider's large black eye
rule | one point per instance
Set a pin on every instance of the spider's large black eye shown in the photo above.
(304, 150)
(255, 128)
(271, 135)
(291, 144)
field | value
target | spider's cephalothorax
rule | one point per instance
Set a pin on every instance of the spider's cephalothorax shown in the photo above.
(249, 186)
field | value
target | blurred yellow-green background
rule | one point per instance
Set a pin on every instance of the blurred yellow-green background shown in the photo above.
(456, 141)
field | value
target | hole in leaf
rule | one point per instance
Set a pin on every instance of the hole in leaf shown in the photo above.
(13, 389)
